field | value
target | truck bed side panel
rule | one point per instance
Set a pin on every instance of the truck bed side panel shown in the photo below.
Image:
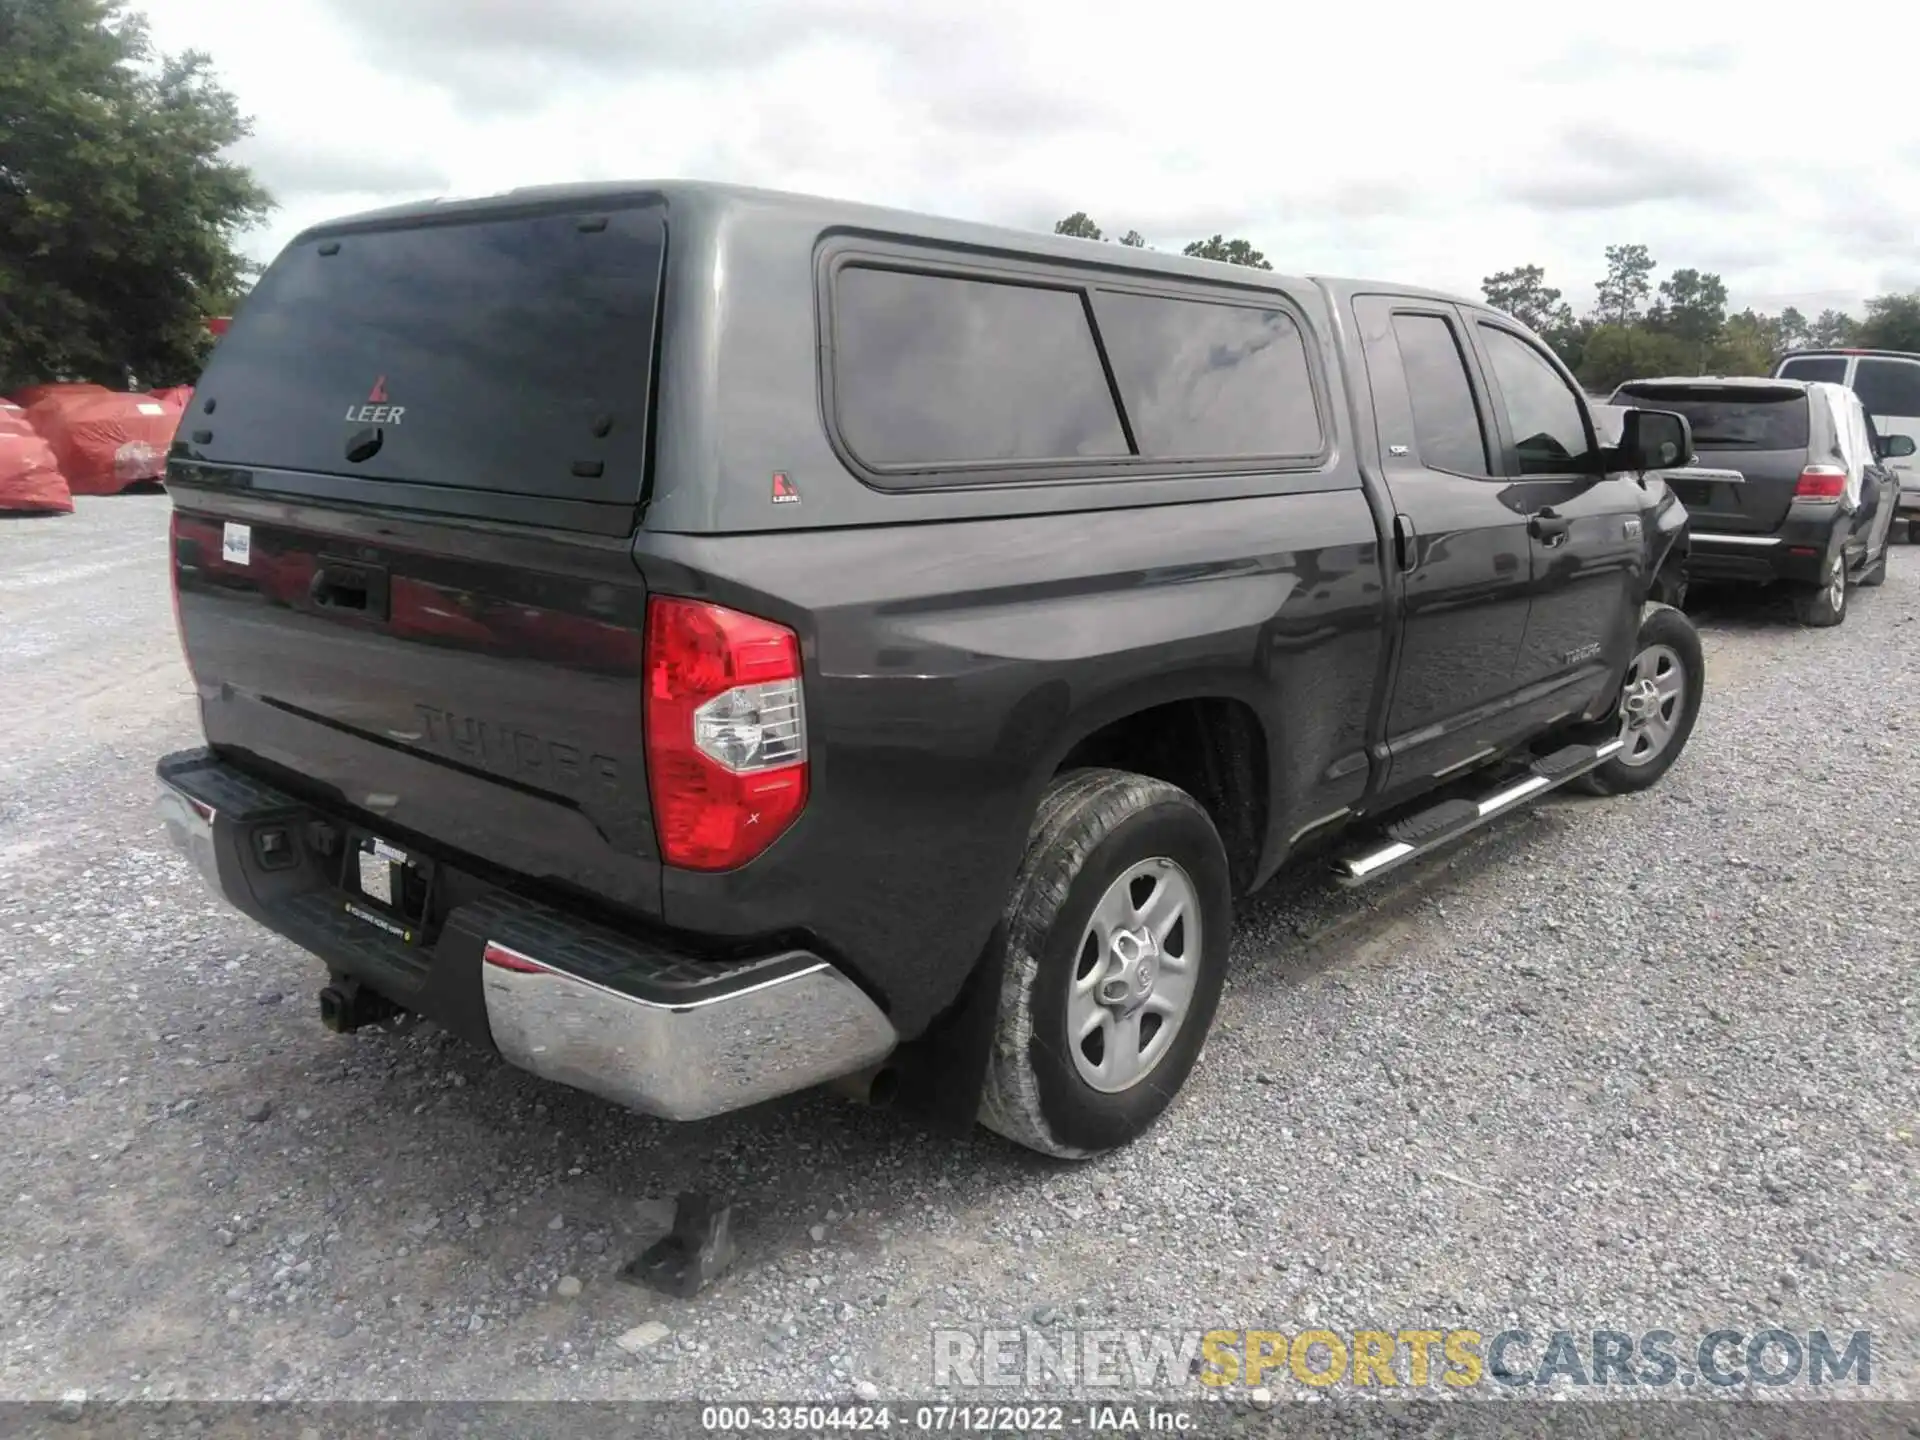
(951, 667)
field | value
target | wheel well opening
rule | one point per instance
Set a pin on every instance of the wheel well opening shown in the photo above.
(1214, 749)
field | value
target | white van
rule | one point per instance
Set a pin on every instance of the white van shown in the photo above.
(1888, 384)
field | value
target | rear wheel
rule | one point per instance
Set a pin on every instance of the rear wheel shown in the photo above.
(1824, 602)
(1115, 943)
(1659, 702)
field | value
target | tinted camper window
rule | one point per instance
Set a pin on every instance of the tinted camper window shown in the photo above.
(508, 355)
(933, 371)
(1207, 380)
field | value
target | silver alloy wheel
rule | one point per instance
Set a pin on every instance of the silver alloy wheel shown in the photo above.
(1134, 975)
(1650, 705)
(1837, 585)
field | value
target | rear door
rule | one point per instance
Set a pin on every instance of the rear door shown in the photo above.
(404, 496)
(1584, 528)
(1762, 431)
(1463, 550)
(1889, 388)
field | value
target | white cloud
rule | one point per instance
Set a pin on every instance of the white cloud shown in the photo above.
(1433, 145)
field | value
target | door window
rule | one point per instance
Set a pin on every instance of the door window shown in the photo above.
(1446, 424)
(1830, 368)
(1548, 424)
(1888, 387)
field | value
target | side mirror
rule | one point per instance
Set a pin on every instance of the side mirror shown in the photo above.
(1896, 447)
(1655, 440)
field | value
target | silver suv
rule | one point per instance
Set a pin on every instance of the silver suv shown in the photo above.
(1888, 384)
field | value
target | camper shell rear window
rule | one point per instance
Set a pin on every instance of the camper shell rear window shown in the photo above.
(510, 354)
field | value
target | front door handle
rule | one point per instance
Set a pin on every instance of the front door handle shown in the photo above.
(1549, 527)
(1406, 544)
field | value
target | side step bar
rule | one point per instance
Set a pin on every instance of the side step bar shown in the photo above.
(1427, 830)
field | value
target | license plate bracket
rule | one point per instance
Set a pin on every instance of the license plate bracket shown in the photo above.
(387, 886)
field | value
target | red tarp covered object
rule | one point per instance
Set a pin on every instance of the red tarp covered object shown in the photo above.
(26, 399)
(105, 440)
(13, 420)
(29, 478)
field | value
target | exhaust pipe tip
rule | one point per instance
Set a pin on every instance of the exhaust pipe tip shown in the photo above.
(876, 1086)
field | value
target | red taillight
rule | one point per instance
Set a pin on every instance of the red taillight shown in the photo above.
(173, 585)
(1821, 482)
(726, 732)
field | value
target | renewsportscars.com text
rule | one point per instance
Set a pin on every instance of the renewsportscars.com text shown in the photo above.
(1414, 1359)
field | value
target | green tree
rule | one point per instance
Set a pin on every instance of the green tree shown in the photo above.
(118, 211)
(1568, 336)
(1524, 294)
(1794, 331)
(1692, 306)
(1234, 252)
(1134, 240)
(1080, 226)
(1692, 309)
(1626, 287)
(1746, 344)
(1833, 327)
(1615, 354)
(1892, 323)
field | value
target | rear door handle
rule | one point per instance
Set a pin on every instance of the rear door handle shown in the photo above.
(1548, 527)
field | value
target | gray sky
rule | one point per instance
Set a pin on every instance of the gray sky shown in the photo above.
(1428, 144)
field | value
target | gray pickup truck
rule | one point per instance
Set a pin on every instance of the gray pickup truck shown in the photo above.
(705, 643)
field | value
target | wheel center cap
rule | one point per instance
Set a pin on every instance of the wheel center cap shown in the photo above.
(1134, 957)
(1642, 703)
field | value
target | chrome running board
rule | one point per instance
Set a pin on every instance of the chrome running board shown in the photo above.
(1427, 830)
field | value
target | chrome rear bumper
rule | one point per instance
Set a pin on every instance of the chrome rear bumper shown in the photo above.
(628, 1018)
(685, 1060)
(189, 821)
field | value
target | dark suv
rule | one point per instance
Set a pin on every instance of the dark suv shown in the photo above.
(704, 643)
(1790, 485)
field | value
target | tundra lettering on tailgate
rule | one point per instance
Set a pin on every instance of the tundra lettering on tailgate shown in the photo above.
(519, 754)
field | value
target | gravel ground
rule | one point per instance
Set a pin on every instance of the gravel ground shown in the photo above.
(1632, 1063)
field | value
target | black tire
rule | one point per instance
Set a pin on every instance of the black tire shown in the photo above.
(1913, 529)
(1823, 603)
(1662, 626)
(1093, 826)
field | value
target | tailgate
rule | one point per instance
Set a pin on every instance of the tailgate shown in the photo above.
(475, 692)
(1754, 501)
(404, 501)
